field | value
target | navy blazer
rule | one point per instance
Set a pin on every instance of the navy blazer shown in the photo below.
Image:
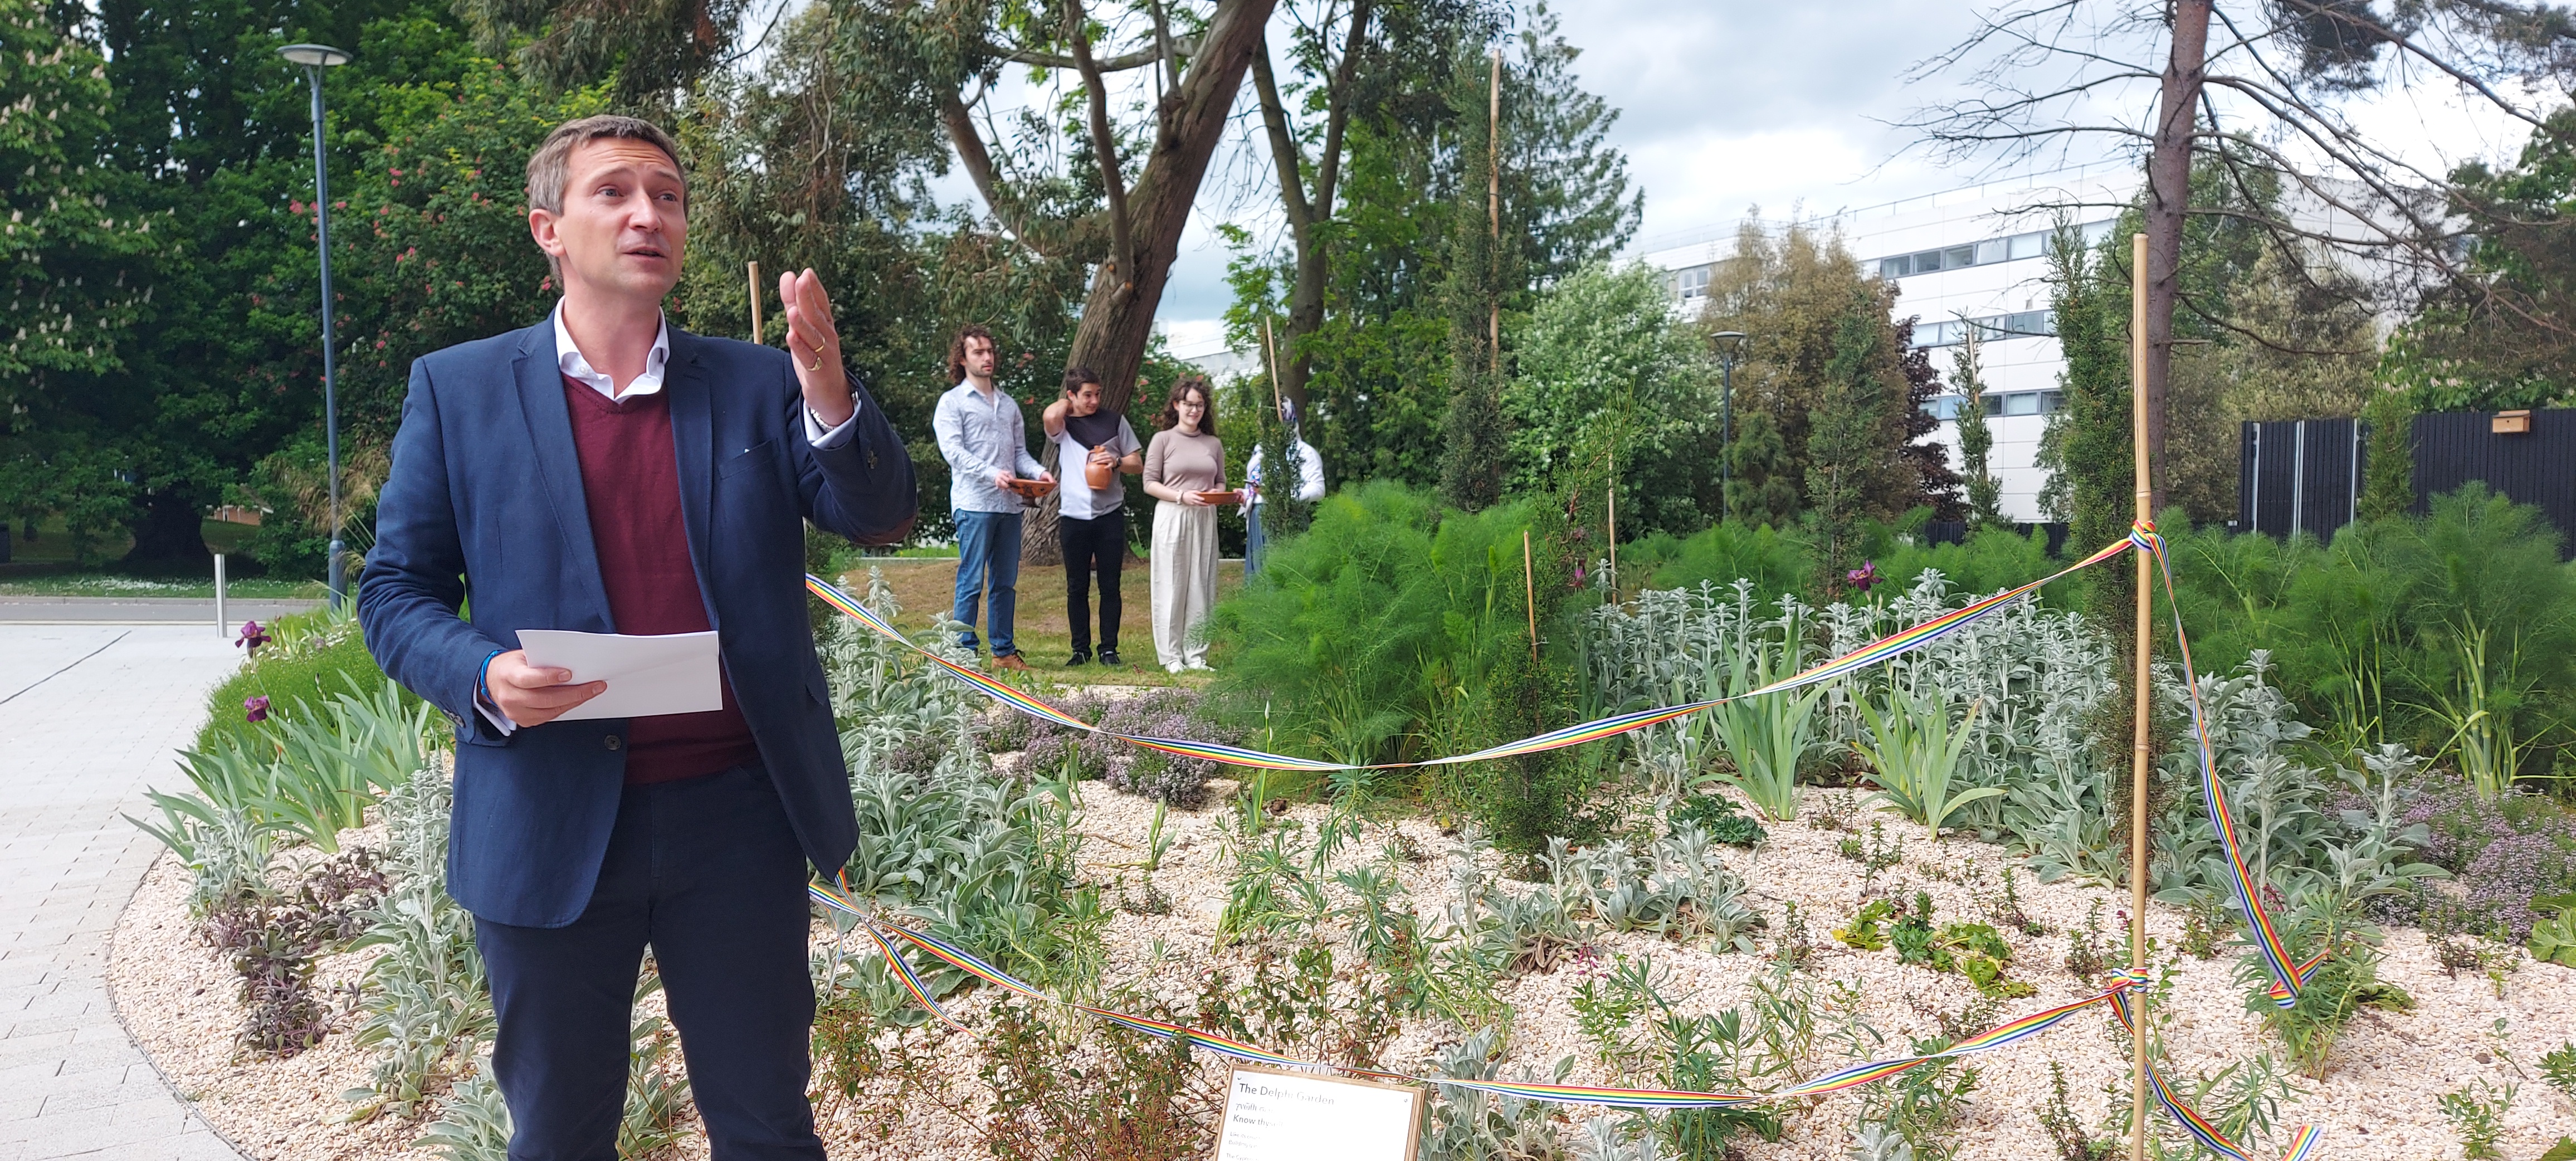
(485, 499)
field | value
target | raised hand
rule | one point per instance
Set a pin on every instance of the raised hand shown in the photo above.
(815, 345)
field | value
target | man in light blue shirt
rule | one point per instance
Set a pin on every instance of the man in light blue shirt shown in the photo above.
(986, 444)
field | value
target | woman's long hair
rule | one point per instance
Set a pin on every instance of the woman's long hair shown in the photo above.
(1170, 419)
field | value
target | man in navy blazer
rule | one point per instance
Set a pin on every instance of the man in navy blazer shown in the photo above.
(603, 472)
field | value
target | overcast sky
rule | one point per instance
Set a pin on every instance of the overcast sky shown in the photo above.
(1725, 106)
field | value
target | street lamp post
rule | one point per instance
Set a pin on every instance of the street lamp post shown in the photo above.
(315, 58)
(1729, 345)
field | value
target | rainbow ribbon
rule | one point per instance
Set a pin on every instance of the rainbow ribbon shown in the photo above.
(2303, 1139)
(2288, 972)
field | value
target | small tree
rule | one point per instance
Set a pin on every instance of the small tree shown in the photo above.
(2388, 478)
(1482, 262)
(1976, 439)
(1843, 443)
(2086, 449)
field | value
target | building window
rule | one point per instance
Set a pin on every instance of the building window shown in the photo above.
(1985, 252)
(1689, 282)
(2027, 324)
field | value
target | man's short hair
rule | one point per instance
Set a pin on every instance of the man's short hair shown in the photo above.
(957, 349)
(1077, 375)
(550, 167)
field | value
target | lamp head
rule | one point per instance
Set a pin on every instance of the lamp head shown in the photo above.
(315, 55)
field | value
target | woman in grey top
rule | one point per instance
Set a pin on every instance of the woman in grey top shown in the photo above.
(1184, 460)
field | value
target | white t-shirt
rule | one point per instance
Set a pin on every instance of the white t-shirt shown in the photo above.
(1310, 472)
(1078, 500)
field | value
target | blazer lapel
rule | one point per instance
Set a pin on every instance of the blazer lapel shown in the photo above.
(539, 372)
(693, 437)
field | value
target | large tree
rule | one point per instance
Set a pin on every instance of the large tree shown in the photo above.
(1822, 350)
(215, 131)
(2263, 90)
(1379, 63)
(75, 253)
(1374, 352)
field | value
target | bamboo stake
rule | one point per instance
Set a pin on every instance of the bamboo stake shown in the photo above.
(1270, 369)
(755, 302)
(1494, 208)
(1529, 593)
(2138, 754)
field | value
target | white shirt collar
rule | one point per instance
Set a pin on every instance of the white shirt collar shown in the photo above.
(568, 358)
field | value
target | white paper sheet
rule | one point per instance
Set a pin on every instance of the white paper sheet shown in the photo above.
(671, 674)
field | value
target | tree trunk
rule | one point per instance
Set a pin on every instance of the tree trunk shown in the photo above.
(1118, 318)
(170, 538)
(2168, 196)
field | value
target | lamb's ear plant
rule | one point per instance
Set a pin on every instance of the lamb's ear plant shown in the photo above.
(1915, 751)
(473, 1124)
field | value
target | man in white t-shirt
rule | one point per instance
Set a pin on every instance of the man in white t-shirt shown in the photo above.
(1310, 488)
(1092, 523)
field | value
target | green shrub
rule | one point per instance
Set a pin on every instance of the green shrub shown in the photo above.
(1776, 562)
(1716, 815)
(311, 658)
(1989, 560)
(1394, 628)
(2403, 629)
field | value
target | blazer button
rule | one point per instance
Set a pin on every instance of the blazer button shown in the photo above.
(612, 741)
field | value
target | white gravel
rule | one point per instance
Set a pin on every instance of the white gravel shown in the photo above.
(2377, 1099)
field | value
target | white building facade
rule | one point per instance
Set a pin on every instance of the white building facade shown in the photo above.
(1974, 256)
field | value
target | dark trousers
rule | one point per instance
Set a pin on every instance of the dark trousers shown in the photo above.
(707, 873)
(1093, 548)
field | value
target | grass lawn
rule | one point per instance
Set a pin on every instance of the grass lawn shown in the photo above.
(926, 589)
(99, 584)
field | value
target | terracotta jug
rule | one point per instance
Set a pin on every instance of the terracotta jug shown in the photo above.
(1098, 474)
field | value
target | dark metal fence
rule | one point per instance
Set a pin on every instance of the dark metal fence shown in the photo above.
(2304, 475)
(2300, 475)
(2535, 467)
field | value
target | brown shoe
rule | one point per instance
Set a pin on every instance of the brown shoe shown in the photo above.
(1012, 662)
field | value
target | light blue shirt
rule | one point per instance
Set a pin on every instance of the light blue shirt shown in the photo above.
(980, 437)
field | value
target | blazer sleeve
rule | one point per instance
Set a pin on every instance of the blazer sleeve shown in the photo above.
(413, 586)
(862, 488)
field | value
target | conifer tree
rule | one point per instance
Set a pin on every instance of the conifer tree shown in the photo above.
(2388, 479)
(1482, 262)
(2086, 449)
(1844, 440)
(1976, 438)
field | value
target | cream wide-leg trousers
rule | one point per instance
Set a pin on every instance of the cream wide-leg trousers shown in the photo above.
(1184, 575)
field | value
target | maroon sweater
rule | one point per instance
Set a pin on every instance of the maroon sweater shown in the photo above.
(630, 482)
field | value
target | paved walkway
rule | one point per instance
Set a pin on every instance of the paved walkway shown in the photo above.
(89, 715)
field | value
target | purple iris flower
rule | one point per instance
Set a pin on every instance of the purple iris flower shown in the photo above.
(255, 709)
(1863, 577)
(252, 637)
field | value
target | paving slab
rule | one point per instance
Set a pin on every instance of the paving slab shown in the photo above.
(90, 714)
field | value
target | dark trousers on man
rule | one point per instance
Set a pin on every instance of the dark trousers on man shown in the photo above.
(707, 873)
(1093, 548)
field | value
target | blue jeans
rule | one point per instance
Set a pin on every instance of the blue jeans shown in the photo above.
(1252, 542)
(988, 558)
